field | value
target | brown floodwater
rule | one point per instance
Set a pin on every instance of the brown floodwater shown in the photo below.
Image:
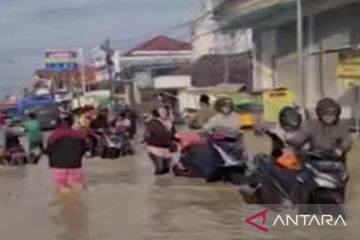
(125, 201)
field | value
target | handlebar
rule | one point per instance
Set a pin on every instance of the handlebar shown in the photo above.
(320, 154)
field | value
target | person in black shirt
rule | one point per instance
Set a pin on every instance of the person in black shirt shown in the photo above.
(66, 148)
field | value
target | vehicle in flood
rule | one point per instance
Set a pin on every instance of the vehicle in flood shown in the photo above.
(45, 107)
(10, 112)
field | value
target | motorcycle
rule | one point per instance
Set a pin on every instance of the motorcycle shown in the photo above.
(15, 154)
(318, 187)
(126, 146)
(187, 143)
(330, 174)
(95, 138)
(113, 145)
(214, 159)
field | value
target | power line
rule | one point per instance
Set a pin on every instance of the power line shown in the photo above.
(180, 26)
(173, 28)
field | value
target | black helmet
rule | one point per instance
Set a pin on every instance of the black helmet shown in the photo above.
(224, 101)
(205, 99)
(290, 119)
(65, 120)
(328, 106)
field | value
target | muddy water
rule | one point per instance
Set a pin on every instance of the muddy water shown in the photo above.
(125, 201)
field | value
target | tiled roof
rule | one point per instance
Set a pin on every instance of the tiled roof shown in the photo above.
(162, 43)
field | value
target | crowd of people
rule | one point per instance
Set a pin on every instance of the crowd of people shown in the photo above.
(326, 133)
(77, 134)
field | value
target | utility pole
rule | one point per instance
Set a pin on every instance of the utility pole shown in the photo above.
(227, 59)
(226, 68)
(109, 51)
(300, 48)
(82, 70)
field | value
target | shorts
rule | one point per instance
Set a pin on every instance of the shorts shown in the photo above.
(65, 177)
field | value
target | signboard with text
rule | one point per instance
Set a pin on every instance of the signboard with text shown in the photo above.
(59, 60)
(348, 69)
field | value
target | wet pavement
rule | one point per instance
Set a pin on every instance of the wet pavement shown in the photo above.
(125, 201)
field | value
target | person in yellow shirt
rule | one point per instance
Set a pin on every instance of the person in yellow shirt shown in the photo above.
(85, 117)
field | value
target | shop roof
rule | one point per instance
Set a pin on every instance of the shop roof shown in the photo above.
(161, 43)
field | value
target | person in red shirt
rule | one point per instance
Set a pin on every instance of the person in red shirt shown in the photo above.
(66, 147)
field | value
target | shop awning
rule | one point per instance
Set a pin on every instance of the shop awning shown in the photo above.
(245, 14)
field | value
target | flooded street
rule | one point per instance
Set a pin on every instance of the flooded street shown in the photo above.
(124, 201)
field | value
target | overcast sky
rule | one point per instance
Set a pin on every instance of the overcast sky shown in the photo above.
(28, 27)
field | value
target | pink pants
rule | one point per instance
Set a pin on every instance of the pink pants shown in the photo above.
(64, 177)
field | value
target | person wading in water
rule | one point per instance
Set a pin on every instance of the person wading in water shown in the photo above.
(159, 137)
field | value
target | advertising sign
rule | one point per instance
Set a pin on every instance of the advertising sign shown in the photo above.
(348, 69)
(59, 60)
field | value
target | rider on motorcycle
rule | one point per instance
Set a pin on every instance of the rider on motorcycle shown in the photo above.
(290, 121)
(285, 165)
(327, 132)
(225, 122)
(225, 129)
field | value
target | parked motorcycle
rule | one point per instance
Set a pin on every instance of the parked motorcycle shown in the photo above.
(113, 145)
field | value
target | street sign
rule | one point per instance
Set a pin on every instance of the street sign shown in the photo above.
(61, 66)
(58, 60)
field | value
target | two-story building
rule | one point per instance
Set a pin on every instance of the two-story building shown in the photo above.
(330, 27)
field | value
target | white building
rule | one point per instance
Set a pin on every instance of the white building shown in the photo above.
(207, 39)
(157, 65)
